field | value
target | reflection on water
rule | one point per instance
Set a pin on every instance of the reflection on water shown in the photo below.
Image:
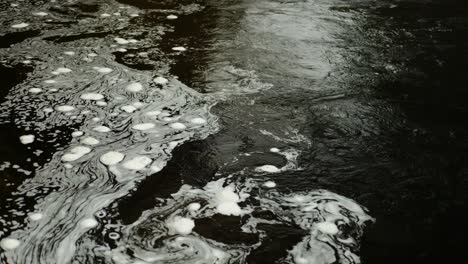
(221, 131)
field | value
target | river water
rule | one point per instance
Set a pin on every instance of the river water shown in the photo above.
(240, 131)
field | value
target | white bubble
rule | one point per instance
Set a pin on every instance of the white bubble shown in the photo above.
(35, 90)
(90, 141)
(102, 129)
(69, 53)
(327, 228)
(36, 216)
(181, 225)
(198, 121)
(9, 243)
(101, 103)
(111, 158)
(143, 126)
(63, 70)
(268, 168)
(160, 80)
(152, 113)
(40, 14)
(128, 108)
(274, 150)
(103, 69)
(92, 96)
(171, 17)
(121, 50)
(137, 163)
(179, 49)
(269, 184)
(121, 41)
(134, 87)
(134, 15)
(27, 139)
(77, 133)
(48, 110)
(76, 153)
(105, 15)
(138, 104)
(65, 108)
(50, 81)
(88, 223)
(20, 25)
(178, 126)
(193, 207)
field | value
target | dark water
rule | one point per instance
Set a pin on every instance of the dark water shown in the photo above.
(270, 104)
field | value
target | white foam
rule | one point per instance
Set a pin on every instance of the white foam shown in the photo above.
(143, 126)
(171, 17)
(90, 141)
(268, 168)
(77, 133)
(92, 96)
(193, 207)
(105, 15)
(137, 163)
(327, 228)
(128, 108)
(121, 50)
(88, 223)
(50, 81)
(274, 150)
(9, 243)
(103, 69)
(40, 14)
(27, 139)
(36, 216)
(181, 225)
(152, 113)
(269, 184)
(160, 80)
(134, 15)
(111, 158)
(76, 153)
(121, 41)
(63, 70)
(35, 90)
(101, 103)
(48, 110)
(69, 53)
(179, 49)
(92, 54)
(102, 129)
(198, 121)
(65, 108)
(227, 201)
(26, 62)
(20, 25)
(178, 126)
(138, 104)
(134, 87)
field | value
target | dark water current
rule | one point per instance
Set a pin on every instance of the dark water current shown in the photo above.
(233, 131)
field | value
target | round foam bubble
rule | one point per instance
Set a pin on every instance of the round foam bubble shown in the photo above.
(102, 129)
(274, 150)
(111, 158)
(114, 235)
(9, 243)
(193, 207)
(143, 126)
(76, 153)
(20, 25)
(88, 223)
(128, 108)
(90, 141)
(327, 228)
(63, 70)
(179, 49)
(170, 17)
(92, 96)
(178, 126)
(103, 69)
(65, 108)
(101, 103)
(198, 121)
(137, 163)
(181, 225)
(160, 80)
(269, 184)
(228, 208)
(27, 139)
(35, 90)
(268, 168)
(77, 133)
(105, 15)
(36, 216)
(134, 87)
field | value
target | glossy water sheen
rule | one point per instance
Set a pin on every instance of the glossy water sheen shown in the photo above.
(144, 131)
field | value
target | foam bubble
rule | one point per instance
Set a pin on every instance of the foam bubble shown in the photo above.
(48, 110)
(178, 126)
(77, 133)
(227, 201)
(101, 103)
(35, 90)
(103, 69)
(143, 126)
(152, 113)
(102, 129)
(27, 139)
(138, 104)
(128, 108)
(36, 216)
(69, 53)
(92, 96)
(181, 225)
(111, 158)
(193, 207)
(171, 17)
(88, 223)
(160, 80)
(134, 87)
(137, 163)
(40, 14)
(327, 228)
(179, 49)
(20, 25)
(198, 121)
(76, 153)
(269, 184)
(121, 41)
(65, 108)
(50, 81)
(274, 150)
(63, 70)
(90, 141)
(105, 15)
(268, 168)
(9, 243)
